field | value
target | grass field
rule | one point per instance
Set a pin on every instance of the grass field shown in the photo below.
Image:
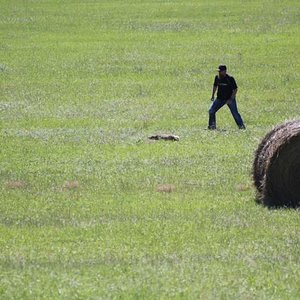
(89, 208)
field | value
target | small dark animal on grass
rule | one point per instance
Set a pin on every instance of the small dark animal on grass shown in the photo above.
(167, 137)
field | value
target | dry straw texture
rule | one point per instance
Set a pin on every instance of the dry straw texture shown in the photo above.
(276, 167)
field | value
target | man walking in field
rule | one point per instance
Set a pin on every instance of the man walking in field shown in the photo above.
(227, 89)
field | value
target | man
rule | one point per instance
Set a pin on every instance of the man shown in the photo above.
(227, 89)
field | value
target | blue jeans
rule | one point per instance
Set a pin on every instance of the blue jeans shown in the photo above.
(217, 104)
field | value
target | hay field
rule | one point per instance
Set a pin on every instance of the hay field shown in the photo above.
(89, 207)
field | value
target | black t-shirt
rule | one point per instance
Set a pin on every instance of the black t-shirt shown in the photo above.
(225, 86)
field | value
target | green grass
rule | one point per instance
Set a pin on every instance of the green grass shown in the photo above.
(83, 83)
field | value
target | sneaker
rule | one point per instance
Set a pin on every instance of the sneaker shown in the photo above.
(212, 127)
(242, 127)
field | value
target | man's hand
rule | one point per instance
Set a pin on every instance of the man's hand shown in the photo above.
(212, 99)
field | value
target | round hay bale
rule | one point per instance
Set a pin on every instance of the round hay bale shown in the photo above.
(276, 167)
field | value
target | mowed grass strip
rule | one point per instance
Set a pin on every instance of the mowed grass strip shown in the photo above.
(89, 206)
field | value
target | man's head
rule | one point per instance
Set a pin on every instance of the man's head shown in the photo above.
(222, 69)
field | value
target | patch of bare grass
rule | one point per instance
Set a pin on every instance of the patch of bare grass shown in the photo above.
(71, 185)
(166, 188)
(242, 187)
(15, 184)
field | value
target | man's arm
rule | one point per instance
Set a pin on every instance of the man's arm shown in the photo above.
(234, 89)
(232, 96)
(213, 92)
